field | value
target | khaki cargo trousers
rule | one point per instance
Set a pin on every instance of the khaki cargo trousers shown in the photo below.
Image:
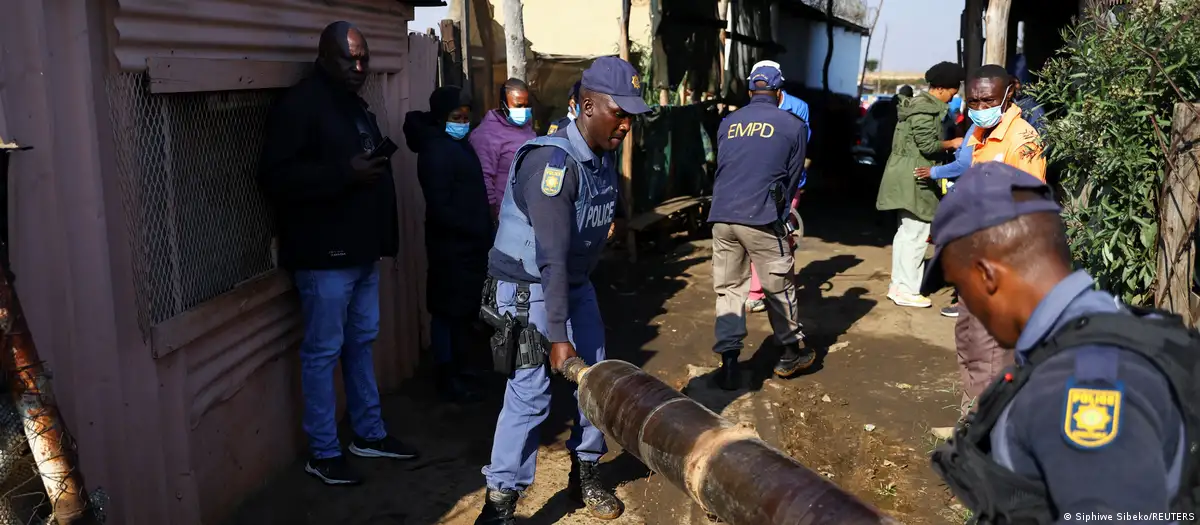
(735, 246)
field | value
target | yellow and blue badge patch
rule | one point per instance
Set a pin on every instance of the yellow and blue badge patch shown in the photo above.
(552, 179)
(553, 128)
(1093, 416)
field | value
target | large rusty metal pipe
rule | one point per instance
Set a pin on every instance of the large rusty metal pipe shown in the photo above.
(725, 468)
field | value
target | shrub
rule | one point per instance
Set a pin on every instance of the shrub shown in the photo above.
(1112, 91)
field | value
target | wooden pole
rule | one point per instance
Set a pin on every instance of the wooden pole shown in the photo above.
(879, 70)
(487, 81)
(829, 42)
(862, 79)
(514, 34)
(462, 17)
(451, 56)
(995, 45)
(627, 144)
(972, 34)
(1177, 214)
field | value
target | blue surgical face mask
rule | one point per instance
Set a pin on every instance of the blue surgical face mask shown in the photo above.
(988, 118)
(456, 130)
(518, 116)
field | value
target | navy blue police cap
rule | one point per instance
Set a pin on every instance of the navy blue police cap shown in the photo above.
(767, 73)
(618, 79)
(982, 198)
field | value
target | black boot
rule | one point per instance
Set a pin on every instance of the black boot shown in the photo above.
(499, 508)
(585, 487)
(729, 377)
(795, 358)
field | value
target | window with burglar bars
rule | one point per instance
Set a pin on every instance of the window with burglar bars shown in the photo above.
(198, 223)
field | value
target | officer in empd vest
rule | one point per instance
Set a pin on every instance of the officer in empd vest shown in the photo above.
(1091, 420)
(760, 159)
(554, 222)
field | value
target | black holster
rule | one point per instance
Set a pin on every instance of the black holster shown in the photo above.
(517, 344)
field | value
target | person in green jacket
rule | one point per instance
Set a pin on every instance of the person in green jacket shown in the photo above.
(917, 143)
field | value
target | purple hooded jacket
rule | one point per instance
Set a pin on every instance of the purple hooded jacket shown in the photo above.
(495, 141)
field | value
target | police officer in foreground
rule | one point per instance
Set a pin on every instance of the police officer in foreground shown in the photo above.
(1099, 414)
(760, 158)
(572, 111)
(554, 222)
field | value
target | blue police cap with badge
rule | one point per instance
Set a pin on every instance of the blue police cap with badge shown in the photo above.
(982, 198)
(618, 79)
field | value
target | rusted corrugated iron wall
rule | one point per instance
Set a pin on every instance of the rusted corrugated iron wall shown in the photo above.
(181, 419)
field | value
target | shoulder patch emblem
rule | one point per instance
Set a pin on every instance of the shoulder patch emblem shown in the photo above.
(552, 179)
(1092, 416)
(553, 128)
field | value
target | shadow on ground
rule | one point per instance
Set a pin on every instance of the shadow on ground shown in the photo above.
(456, 440)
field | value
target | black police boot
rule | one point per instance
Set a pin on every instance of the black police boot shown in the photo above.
(795, 358)
(585, 487)
(729, 376)
(499, 508)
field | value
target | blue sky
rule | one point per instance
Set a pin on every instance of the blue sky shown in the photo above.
(920, 33)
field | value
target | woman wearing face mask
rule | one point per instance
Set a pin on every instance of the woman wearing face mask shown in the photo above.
(497, 138)
(458, 230)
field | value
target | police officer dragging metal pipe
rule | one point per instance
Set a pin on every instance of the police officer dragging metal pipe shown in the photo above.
(760, 158)
(554, 222)
(1098, 418)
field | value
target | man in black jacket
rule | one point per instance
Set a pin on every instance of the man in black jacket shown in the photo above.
(336, 215)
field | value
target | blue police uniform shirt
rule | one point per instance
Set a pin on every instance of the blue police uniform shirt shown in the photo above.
(570, 223)
(760, 148)
(1139, 469)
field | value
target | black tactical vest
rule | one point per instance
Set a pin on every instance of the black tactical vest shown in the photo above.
(999, 496)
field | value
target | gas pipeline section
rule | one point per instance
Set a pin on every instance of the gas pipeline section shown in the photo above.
(725, 468)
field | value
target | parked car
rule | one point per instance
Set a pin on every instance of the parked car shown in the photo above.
(875, 130)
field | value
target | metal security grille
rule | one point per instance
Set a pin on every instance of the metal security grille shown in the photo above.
(198, 224)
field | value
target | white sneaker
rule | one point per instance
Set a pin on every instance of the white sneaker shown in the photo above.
(912, 300)
(893, 291)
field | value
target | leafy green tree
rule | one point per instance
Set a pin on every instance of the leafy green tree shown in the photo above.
(1112, 91)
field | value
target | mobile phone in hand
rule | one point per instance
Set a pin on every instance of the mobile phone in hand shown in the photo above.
(385, 149)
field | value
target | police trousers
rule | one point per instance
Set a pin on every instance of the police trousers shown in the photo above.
(980, 357)
(527, 395)
(735, 246)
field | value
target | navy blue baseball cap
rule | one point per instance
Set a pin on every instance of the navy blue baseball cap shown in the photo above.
(768, 73)
(618, 79)
(982, 198)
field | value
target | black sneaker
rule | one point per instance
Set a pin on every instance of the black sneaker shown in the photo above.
(333, 471)
(795, 358)
(388, 447)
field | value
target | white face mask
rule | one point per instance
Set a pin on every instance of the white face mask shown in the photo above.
(518, 116)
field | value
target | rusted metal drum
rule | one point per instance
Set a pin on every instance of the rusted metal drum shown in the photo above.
(724, 467)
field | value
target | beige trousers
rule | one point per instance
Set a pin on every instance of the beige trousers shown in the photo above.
(734, 247)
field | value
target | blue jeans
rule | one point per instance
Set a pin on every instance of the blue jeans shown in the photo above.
(527, 396)
(341, 319)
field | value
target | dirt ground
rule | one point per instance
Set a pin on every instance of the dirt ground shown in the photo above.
(861, 417)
